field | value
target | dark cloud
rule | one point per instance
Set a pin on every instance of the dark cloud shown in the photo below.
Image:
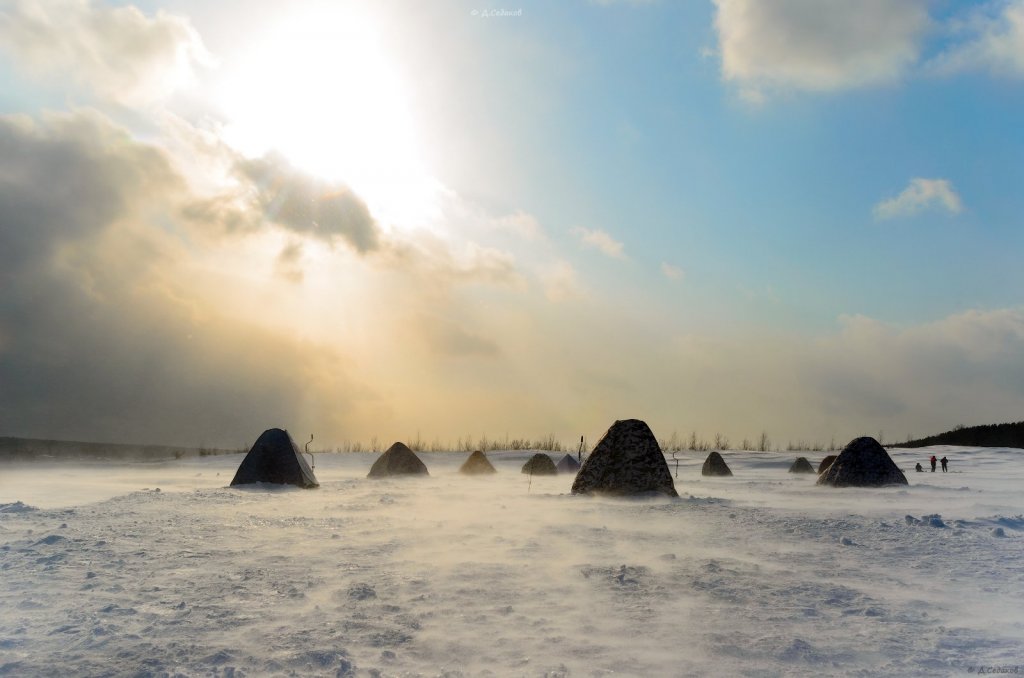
(306, 205)
(51, 191)
(100, 335)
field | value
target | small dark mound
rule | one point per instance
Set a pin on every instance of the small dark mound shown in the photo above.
(801, 465)
(863, 463)
(540, 465)
(399, 460)
(714, 465)
(477, 464)
(274, 458)
(567, 464)
(826, 462)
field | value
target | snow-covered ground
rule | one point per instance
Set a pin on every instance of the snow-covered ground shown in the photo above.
(761, 574)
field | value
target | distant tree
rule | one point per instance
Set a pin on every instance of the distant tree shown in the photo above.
(989, 435)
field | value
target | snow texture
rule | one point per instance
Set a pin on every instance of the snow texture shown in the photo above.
(156, 569)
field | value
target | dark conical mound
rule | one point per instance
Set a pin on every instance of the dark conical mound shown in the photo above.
(399, 460)
(477, 464)
(714, 465)
(627, 460)
(274, 458)
(863, 463)
(801, 465)
(826, 462)
(567, 464)
(540, 465)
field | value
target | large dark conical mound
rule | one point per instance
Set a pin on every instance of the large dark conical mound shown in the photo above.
(477, 464)
(567, 464)
(863, 463)
(540, 465)
(627, 460)
(801, 465)
(274, 458)
(399, 460)
(714, 465)
(826, 462)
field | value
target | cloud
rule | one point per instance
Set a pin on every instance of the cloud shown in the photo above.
(105, 336)
(288, 264)
(114, 327)
(119, 53)
(306, 205)
(561, 282)
(450, 339)
(865, 377)
(920, 194)
(967, 365)
(817, 45)
(436, 264)
(671, 272)
(990, 38)
(70, 176)
(522, 224)
(599, 240)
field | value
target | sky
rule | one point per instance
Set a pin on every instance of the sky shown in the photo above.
(401, 220)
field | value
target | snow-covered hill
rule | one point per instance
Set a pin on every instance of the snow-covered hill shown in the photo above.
(160, 569)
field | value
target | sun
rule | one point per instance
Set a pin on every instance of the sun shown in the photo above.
(320, 88)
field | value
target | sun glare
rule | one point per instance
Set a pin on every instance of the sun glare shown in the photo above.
(320, 89)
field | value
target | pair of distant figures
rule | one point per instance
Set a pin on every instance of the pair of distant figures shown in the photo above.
(943, 461)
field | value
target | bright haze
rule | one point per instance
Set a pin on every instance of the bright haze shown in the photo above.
(448, 219)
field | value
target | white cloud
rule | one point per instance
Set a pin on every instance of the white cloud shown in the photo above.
(561, 283)
(919, 195)
(117, 52)
(522, 224)
(991, 38)
(600, 240)
(817, 45)
(671, 272)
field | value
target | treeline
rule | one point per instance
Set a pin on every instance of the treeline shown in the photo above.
(33, 449)
(693, 442)
(547, 443)
(988, 435)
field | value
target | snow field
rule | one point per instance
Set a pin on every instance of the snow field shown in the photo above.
(761, 574)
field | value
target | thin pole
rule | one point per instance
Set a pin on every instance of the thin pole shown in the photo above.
(312, 459)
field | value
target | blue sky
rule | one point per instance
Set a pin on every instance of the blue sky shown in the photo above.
(731, 216)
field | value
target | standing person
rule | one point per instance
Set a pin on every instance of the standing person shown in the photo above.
(944, 462)
(933, 460)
